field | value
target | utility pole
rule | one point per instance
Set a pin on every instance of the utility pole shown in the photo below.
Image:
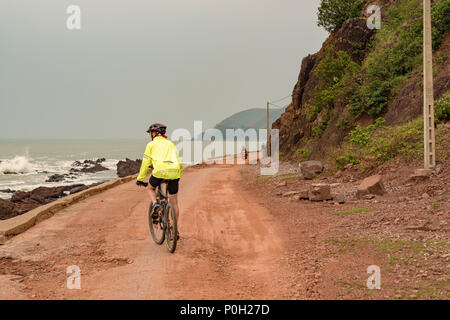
(268, 131)
(428, 99)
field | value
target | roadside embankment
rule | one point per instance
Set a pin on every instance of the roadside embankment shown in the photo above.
(18, 224)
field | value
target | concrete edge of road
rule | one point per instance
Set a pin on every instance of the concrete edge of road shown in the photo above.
(21, 223)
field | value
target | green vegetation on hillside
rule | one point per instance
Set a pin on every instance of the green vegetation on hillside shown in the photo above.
(397, 49)
(378, 143)
(441, 22)
(334, 72)
(333, 13)
(442, 109)
(395, 52)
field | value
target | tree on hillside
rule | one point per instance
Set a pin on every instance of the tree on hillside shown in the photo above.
(333, 13)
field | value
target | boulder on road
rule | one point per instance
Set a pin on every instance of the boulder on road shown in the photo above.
(302, 195)
(371, 185)
(420, 175)
(297, 195)
(290, 193)
(319, 192)
(339, 198)
(310, 169)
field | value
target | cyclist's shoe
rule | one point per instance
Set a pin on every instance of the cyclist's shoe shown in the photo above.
(156, 209)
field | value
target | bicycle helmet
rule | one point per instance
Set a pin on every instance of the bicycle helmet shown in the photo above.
(157, 127)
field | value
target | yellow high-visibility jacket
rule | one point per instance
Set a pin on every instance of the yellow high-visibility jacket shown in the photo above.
(163, 155)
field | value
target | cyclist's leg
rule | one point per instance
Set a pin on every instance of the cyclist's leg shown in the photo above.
(172, 188)
(153, 184)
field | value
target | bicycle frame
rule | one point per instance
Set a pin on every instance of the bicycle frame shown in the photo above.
(163, 200)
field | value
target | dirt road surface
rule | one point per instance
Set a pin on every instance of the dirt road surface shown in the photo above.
(230, 247)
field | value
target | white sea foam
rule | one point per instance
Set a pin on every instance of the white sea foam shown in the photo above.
(19, 164)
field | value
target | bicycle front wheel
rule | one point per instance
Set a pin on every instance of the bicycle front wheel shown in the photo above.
(171, 228)
(156, 227)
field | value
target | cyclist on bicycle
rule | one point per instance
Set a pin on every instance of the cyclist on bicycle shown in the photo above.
(162, 154)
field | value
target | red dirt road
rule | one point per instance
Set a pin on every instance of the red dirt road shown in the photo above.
(230, 247)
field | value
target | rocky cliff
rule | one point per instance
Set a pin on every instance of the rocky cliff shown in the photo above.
(378, 73)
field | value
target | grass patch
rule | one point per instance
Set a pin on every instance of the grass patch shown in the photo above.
(432, 290)
(304, 154)
(263, 178)
(377, 143)
(351, 284)
(399, 251)
(288, 177)
(442, 109)
(351, 211)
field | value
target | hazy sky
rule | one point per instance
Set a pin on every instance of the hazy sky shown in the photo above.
(135, 62)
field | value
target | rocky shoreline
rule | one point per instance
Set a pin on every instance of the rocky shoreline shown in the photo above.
(24, 201)
(87, 166)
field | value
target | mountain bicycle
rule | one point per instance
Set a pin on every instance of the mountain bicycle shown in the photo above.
(165, 226)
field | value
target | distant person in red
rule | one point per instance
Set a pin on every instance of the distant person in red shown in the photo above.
(244, 153)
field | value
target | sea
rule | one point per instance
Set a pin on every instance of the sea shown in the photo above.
(26, 164)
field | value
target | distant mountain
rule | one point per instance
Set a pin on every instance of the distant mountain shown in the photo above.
(255, 118)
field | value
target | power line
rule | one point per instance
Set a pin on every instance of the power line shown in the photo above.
(280, 107)
(272, 102)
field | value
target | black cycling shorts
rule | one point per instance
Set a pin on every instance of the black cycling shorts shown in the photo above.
(172, 185)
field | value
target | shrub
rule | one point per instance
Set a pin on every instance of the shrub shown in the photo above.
(397, 51)
(440, 18)
(334, 72)
(333, 13)
(345, 159)
(304, 154)
(376, 144)
(404, 140)
(442, 109)
(342, 123)
(362, 136)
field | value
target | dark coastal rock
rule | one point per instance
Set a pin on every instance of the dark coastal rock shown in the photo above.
(7, 191)
(56, 178)
(89, 169)
(96, 168)
(26, 201)
(78, 188)
(87, 163)
(19, 196)
(7, 209)
(40, 195)
(22, 201)
(128, 167)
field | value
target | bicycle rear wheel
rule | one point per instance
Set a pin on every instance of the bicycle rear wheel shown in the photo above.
(171, 228)
(156, 230)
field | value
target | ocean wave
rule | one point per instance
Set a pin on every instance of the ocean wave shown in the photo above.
(20, 164)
